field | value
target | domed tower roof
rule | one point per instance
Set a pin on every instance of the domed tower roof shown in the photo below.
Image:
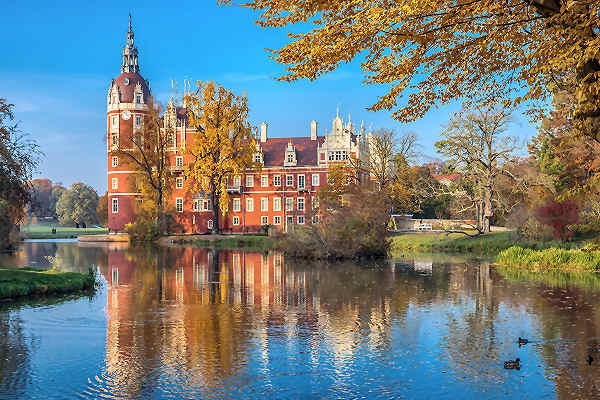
(130, 83)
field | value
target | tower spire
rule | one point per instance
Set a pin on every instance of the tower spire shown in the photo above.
(130, 53)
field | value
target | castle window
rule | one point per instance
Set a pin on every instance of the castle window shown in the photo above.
(209, 224)
(138, 98)
(315, 179)
(115, 183)
(115, 206)
(301, 219)
(315, 203)
(138, 121)
(179, 161)
(315, 219)
(301, 182)
(249, 180)
(196, 205)
(277, 220)
(179, 204)
(289, 204)
(237, 181)
(264, 180)
(236, 205)
(290, 157)
(277, 180)
(264, 220)
(179, 182)
(114, 141)
(257, 158)
(206, 205)
(236, 220)
(264, 204)
(289, 180)
(300, 203)
(277, 204)
(115, 161)
(249, 204)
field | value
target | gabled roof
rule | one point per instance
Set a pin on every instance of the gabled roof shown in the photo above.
(445, 177)
(306, 150)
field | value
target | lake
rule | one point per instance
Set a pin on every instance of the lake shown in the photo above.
(184, 322)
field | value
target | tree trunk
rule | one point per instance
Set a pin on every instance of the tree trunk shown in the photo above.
(216, 213)
(160, 223)
(487, 208)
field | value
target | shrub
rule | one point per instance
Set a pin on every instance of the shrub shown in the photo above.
(559, 216)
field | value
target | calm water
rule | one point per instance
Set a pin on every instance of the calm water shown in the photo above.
(194, 323)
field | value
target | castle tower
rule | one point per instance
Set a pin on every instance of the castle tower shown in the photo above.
(127, 101)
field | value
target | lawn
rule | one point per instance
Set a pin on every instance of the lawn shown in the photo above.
(248, 242)
(17, 282)
(44, 231)
(490, 242)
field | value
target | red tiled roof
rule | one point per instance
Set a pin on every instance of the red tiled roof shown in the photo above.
(448, 177)
(127, 91)
(306, 150)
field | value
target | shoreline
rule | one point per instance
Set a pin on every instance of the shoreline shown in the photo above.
(16, 283)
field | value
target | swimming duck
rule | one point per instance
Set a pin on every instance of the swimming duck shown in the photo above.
(522, 341)
(510, 364)
(590, 360)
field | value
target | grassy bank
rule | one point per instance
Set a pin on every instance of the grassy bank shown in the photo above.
(27, 282)
(553, 278)
(248, 242)
(490, 242)
(550, 259)
(43, 231)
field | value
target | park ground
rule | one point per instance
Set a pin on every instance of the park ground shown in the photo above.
(44, 231)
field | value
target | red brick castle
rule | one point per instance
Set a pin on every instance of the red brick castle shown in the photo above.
(281, 194)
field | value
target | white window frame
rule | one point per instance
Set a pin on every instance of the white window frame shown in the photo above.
(209, 224)
(289, 180)
(315, 219)
(196, 205)
(114, 123)
(138, 121)
(115, 161)
(250, 204)
(315, 202)
(277, 220)
(178, 203)
(237, 181)
(264, 204)
(237, 204)
(249, 180)
(264, 180)
(277, 180)
(138, 99)
(179, 161)
(114, 184)
(264, 220)
(276, 203)
(114, 141)
(235, 220)
(299, 202)
(300, 219)
(115, 205)
(315, 179)
(289, 204)
(179, 182)
(301, 185)
(205, 205)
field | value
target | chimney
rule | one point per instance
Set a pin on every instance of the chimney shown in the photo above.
(313, 130)
(263, 132)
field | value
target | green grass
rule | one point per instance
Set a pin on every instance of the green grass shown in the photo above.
(17, 282)
(44, 231)
(250, 242)
(552, 278)
(550, 259)
(490, 242)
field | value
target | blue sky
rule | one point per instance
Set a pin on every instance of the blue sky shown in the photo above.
(58, 61)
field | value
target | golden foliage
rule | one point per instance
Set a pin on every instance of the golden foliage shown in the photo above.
(434, 51)
(224, 144)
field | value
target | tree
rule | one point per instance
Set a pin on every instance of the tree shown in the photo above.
(40, 197)
(434, 51)
(57, 191)
(102, 209)
(475, 143)
(223, 147)
(77, 205)
(147, 153)
(18, 160)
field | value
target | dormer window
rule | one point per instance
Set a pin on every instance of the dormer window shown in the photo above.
(138, 98)
(258, 158)
(290, 158)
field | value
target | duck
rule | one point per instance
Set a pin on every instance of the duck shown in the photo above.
(522, 341)
(510, 364)
(590, 359)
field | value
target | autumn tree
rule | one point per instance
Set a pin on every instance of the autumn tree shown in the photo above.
(475, 142)
(77, 205)
(147, 153)
(429, 52)
(102, 209)
(18, 161)
(224, 145)
(41, 191)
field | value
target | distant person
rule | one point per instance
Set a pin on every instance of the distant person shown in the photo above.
(83, 225)
(54, 231)
(77, 225)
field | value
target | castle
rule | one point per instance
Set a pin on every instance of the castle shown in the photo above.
(283, 193)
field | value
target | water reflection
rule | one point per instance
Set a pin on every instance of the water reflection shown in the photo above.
(189, 322)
